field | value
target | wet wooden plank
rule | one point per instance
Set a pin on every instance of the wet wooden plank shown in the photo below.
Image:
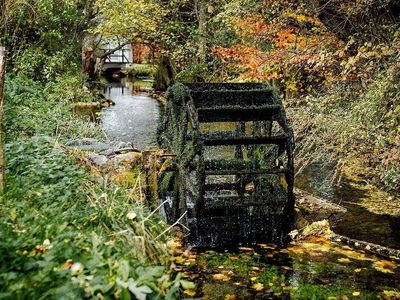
(236, 113)
(215, 98)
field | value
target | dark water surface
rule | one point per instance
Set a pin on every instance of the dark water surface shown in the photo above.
(358, 223)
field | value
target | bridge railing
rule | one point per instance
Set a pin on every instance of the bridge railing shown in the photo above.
(118, 58)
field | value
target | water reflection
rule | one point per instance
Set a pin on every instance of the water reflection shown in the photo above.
(359, 222)
(134, 116)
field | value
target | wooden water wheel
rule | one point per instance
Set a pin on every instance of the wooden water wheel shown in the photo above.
(232, 175)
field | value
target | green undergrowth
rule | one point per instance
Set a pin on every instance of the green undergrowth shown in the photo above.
(64, 236)
(349, 122)
(140, 70)
(33, 108)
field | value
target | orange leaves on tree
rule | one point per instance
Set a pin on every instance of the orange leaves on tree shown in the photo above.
(284, 38)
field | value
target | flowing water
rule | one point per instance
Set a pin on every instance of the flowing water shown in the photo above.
(134, 117)
(372, 225)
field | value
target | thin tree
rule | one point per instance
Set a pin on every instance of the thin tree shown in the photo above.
(3, 55)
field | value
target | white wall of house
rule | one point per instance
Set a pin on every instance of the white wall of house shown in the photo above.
(119, 56)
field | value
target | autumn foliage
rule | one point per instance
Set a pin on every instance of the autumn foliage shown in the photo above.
(288, 44)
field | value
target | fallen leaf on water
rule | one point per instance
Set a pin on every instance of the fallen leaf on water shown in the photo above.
(355, 294)
(190, 293)
(353, 254)
(246, 249)
(258, 287)
(267, 246)
(237, 283)
(391, 295)
(384, 266)
(344, 260)
(219, 276)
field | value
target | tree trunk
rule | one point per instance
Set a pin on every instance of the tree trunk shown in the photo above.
(89, 64)
(3, 55)
(165, 75)
(202, 12)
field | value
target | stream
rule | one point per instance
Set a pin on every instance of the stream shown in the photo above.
(316, 269)
(135, 115)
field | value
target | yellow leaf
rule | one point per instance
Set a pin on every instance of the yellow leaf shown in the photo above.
(131, 215)
(253, 278)
(13, 214)
(344, 260)
(220, 277)
(230, 297)
(180, 260)
(245, 249)
(391, 295)
(267, 246)
(258, 287)
(292, 87)
(384, 266)
(358, 270)
(190, 293)
(355, 294)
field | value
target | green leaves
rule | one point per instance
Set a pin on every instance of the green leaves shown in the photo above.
(140, 292)
(133, 20)
(59, 237)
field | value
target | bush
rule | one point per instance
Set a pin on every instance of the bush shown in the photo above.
(27, 111)
(138, 71)
(37, 64)
(68, 88)
(30, 111)
(61, 235)
(193, 73)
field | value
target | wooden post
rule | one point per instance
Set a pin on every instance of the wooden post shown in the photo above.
(3, 56)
